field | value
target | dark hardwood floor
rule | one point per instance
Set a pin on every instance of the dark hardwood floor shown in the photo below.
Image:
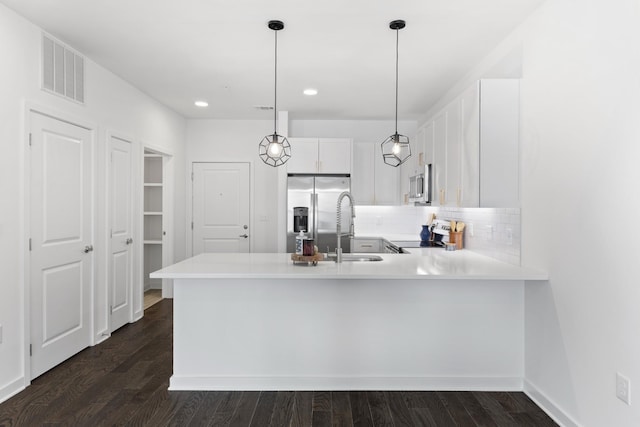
(124, 381)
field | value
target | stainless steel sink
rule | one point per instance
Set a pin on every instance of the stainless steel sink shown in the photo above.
(356, 258)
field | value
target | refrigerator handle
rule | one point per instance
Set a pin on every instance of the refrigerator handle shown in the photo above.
(312, 221)
(315, 218)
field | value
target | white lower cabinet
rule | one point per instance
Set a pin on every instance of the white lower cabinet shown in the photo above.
(372, 181)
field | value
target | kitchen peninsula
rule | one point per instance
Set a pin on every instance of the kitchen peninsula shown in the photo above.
(427, 320)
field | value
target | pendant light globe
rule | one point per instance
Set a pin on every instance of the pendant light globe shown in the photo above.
(396, 149)
(274, 150)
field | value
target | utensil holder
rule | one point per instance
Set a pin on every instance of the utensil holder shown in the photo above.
(456, 237)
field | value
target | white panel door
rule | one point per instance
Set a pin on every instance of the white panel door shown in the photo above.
(121, 219)
(61, 258)
(221, 202)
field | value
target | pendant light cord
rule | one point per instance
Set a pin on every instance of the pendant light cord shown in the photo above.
(275, 85)
(397, 37)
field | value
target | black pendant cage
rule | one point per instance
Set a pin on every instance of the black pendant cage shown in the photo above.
(274, 150)
(396, 150)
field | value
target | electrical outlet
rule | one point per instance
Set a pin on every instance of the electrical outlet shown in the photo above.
(623, 388)
(470, 228)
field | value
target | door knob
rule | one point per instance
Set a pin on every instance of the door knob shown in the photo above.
(129, 241)
(244, 235)
(88, 248)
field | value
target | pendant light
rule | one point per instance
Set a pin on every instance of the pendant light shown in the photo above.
(396, 149)
(274, 150)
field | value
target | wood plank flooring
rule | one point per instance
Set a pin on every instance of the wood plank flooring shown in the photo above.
(151, 297)
(124, 381)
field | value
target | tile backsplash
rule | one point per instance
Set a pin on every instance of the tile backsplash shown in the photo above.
(494, 232)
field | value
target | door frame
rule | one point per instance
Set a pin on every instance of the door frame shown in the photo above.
(168, 194)
(189, 201)
(25, 190)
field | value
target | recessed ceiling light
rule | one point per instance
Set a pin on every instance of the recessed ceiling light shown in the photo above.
(201, 104)
(310, 91)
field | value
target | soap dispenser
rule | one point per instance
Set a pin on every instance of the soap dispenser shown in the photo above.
(299, 242)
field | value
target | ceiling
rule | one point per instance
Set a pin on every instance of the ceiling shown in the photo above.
(222, 51)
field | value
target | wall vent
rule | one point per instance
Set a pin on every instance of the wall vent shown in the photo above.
(62, 70)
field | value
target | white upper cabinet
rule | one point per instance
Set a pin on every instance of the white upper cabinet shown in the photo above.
(499, 143)
(475, 146)
(320, 155)
(304, 155)
(453, 186)
(439, 167)
(470, 154)
(373, 182)
(334, 155)
(363, 177)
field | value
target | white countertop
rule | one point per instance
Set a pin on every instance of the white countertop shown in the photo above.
(420, 263)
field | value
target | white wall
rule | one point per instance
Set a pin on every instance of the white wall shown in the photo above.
(113, 106)
(581, 134)
(360, 130)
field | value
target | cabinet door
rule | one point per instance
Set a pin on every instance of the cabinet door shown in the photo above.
(470, 171)
(363, 175)
(334, 155)
(386, 179)
(304, 155)
(439, 159)
(428, 143)
(454, 143)
(499, 143)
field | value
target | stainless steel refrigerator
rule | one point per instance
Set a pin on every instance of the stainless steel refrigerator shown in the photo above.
(316, 196)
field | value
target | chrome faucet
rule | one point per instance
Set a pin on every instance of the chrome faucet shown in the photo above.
(339, 233)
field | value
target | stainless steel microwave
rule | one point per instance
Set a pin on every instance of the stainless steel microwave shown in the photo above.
(420, 187)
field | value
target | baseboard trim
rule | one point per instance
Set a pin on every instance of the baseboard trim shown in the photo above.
(11, 389)
(229, 383)
(546, 404)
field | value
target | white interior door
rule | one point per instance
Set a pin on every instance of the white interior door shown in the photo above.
(221, 202)
(61, 260)
(121, 219)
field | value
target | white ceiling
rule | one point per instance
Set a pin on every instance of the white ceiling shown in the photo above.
(223, 52)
